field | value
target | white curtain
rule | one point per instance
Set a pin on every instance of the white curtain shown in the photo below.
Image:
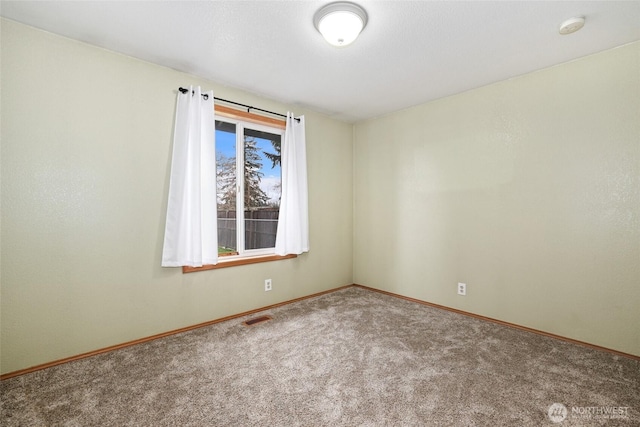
(191, 232)
(292, 236)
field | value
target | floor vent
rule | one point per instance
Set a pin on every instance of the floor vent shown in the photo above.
(257, 320)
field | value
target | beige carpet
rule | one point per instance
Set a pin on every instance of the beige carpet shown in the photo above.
(349, 358)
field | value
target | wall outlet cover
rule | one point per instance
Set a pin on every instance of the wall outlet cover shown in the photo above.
(462, 289)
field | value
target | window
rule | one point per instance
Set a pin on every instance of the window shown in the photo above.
(248, 187)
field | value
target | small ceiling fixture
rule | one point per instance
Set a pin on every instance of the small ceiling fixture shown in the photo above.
(571, 25)
(341, 22)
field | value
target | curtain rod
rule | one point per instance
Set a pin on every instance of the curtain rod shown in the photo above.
(248, 107)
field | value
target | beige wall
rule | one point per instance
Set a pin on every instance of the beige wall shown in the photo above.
(527, 190)
(86, 143)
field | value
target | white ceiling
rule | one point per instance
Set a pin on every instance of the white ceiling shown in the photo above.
(410, 52)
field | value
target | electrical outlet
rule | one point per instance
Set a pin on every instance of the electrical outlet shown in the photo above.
(462, 289)
(267, 285)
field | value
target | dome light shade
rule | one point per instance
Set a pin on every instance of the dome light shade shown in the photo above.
(340, 23)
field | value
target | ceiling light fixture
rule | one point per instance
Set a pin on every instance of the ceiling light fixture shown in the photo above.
(341, 22)
(571, 25)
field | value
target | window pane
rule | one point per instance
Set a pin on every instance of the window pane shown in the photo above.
(226, 187)
(262, 188)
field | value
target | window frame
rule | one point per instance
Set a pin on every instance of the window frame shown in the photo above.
(252, 256)
(241, 129)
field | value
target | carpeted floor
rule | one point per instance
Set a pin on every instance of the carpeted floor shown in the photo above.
(348, 358)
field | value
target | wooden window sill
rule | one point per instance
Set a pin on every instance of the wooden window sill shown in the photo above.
(236, 262)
